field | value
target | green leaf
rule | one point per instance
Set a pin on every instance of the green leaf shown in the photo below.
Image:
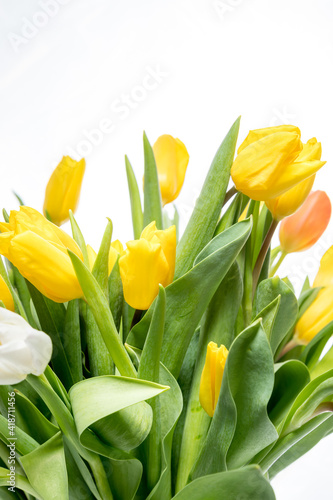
(218, 326)
(21, 483)
(152, 195)
(267, 291)
(46, 470)
(100, 361)
(103, 317)
(290, 378)
(78, 237)
(116, 296)
(123, 420)
(189, 296)
(72, 339)
(170, 409)
(201, 226)
(268, 316)
(303, 445)
(247, 483)
(52, 317)
(306, 299)
(317, 391)
(232, 214)
(101, 266)
(137, 215)
(324, 365)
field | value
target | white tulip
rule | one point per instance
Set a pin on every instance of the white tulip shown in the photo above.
(23, 350)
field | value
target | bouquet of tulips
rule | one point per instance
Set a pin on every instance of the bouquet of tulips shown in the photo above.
(173, 367)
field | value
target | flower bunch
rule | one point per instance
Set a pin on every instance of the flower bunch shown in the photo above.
(168, 367)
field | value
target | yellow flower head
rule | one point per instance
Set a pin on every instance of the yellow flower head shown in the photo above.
(291, 200)
(63, 190)
(171, 161)
(211, 378)
(146, 263)
(116, 249)
(38, 249)
(316, 317)
(5, 295)
(269, 163)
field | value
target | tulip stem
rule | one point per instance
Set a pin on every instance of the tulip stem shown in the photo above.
(136, 317)
(278, 264)
(263, 253)
(229, 194)
(288, 347)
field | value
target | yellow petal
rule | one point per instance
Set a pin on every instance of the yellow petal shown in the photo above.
(291, 200)
(46, 266)
(142, 268)
(5, 295)
(168, 239)
(171, 161)
(255, 135)
(63, 189)
(91, 256)
(211, 377)
(325, 274)
(316, 317)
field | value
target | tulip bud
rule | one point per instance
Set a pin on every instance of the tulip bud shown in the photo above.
(23, 350)
(316, 317)
(63, 190)
(291, 200)
(5, 295)
(38, 249)
(171, 158)
(146, 263)
(211, 378)
(269, 163)
(304, 228)
(325, 273)
(116, 249)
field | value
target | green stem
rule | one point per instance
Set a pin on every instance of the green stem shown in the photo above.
(68, 428)
(278, 264)
(263, 252)
(229, 194)
(248, 285)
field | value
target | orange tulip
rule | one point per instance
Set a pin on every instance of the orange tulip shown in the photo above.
(304, 228)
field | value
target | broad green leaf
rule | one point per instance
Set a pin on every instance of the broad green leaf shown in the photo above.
(189, 296)
(21, 484)
(149, 369)
(124, 419)
(286, 442)
(170, 409)
(290, 378)
(286, 315)
(103, 317)
(314, 393)
(303, 445)
(247, 483)
(46, 470)
(30, 419)
(324, 365)
(100, 361)
(232, 214)
(268, 316)
(218, 325)
(201, 226)
(24, 443)
(315, 347)
(152, 194)
(137, 215)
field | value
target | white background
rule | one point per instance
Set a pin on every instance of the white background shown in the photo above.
(270, 61)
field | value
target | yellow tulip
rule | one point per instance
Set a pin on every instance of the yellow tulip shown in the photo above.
(269, 163)
(38, 249)
(63, 190)
(146, 263)
(325, 273)
(171, 161)
(291, 200)
(116, 249)
(316, 317)
(5, 295)
(211, 378)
